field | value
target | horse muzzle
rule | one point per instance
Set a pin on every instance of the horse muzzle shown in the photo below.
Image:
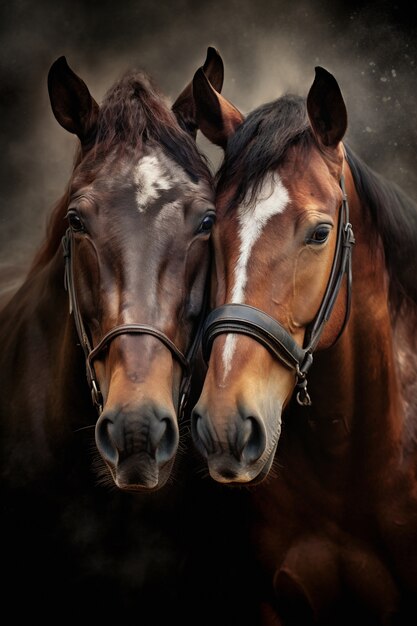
(138, 445)
(237, 449)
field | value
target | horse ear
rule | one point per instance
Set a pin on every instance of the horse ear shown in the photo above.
(72, 104)
(217, 118)
(326, 108)
(183, 106)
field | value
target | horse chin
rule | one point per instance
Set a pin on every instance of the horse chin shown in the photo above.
(227, 470)
(140, 472)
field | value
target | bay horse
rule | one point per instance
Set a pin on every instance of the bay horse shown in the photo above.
(101, 339)
(314, 280)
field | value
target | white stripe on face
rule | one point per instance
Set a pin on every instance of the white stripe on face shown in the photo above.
(151, 177)
(252, 220)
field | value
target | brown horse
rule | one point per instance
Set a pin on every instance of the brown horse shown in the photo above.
(130, 236)
(334, 524)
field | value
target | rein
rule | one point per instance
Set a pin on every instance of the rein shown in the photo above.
(91, 353)
(251, 321)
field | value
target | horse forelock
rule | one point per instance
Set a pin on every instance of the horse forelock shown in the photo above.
(260, 144)
(134, 112)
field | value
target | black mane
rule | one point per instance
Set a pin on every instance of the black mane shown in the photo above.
(394, 215)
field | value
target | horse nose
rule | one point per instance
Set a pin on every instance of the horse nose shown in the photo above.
(243, 435)
(202, 432)
(149, 429)
(251, 439)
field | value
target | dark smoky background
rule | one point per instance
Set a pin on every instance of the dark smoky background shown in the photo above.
(268, 47)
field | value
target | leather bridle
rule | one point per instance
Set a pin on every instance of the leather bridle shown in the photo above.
(251, 321)
(91, 353)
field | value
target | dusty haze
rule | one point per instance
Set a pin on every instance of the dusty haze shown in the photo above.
(268, 48)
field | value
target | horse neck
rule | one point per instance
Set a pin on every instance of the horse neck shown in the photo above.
(40, 368)
(357, 406)
(59, 336)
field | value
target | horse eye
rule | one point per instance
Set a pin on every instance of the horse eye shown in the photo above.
(75, 221)
(320, 235)
(207, 224)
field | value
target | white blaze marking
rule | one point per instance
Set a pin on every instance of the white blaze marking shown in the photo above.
(151, 177)
(252, 220)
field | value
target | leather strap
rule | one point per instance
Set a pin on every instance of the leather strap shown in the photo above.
(341, 266)
(248, 320)
(138, 329)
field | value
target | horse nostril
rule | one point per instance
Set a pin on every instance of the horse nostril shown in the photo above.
(167, 443)
(105, 440)
(252, 439)
(200, 434)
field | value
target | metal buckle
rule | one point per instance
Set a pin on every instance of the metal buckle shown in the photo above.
(349, 239)
(182, 404)
(96, 396)
(302, 397)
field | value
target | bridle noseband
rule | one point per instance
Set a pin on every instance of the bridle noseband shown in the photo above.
(248, 320)
(91, 353)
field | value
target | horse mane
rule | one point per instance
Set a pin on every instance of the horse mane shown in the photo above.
(394, 215)
(133, 113)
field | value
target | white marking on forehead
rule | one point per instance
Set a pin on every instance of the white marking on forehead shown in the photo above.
(153, 174)
(151, 178)
(273, 199)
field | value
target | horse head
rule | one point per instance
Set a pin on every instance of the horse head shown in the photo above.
(139, 211)
(282, 228)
